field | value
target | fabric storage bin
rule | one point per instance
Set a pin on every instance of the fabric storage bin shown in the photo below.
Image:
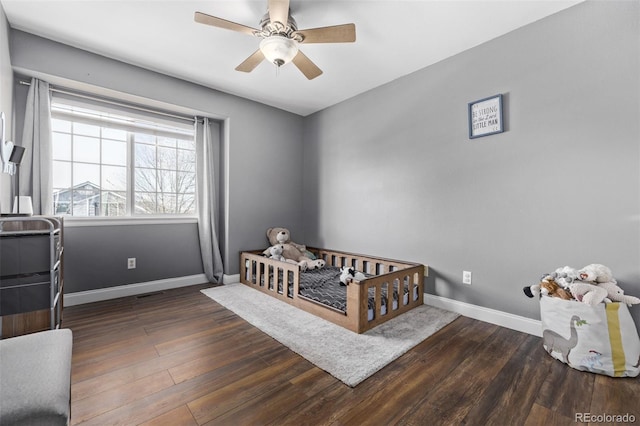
(17, 300)
(601, 339)
(25, 254)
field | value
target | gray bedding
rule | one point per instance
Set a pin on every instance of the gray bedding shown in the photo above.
(323, 286)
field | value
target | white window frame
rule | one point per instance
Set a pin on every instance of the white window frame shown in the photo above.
(168, 125)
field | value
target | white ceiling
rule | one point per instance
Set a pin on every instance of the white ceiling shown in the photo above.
(393, 39)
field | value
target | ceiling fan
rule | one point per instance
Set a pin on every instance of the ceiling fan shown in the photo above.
(281, 37)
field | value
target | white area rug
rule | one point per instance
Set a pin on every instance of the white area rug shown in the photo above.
(348, 356)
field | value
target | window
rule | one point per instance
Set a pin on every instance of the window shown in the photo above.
(112, 161)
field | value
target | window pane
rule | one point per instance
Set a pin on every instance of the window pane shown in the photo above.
(114, 153)
(58, 125)
(86, 149)
(186, 144)
(167, 181)
(167, 203)
(86, 201)
(186, 203)
(145, 180)
(186, 160)
(61, 175)
(114, 178)
(145, 203)
(61, 207)
(114, 203)
(186, 183)
(88, 174)
(167, 158)
(61, 146)
(145, 156)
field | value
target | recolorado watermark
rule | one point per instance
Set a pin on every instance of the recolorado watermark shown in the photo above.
(604, 418)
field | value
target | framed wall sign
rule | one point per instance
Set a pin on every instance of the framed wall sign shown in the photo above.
(485, 117)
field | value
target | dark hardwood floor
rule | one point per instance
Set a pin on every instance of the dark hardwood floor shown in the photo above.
(179, 358)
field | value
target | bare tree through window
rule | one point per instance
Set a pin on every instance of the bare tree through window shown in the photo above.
(165, 176)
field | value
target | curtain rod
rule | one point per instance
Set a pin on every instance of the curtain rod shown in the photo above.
(116, 103)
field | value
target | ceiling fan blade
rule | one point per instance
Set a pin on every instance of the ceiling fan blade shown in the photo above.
(251, 62)
(203, 18)
(345, 33)
(304, 64)
(279, 11)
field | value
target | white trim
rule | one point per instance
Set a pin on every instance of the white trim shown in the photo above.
(503, 319)
(73, 221)
(89, 296)
(230, 279)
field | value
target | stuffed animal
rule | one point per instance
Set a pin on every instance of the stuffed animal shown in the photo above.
(347, 273)
(564, 276)
(283, 236)
(291, 250)
(532, 290)
(275, 252)
(616, 294)
(550, 288)
(547, 287)
(588, 293)
(596, 273)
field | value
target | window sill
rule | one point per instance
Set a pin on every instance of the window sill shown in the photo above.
(72, 222)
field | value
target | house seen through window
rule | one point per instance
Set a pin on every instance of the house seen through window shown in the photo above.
(115, 162)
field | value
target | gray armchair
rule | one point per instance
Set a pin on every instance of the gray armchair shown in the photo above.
(35, 378)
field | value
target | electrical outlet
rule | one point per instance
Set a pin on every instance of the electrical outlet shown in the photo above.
(131, 263)
(466, 277)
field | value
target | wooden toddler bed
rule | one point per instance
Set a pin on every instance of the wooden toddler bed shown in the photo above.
(391, 288)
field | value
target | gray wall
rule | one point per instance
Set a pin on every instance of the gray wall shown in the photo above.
(392, 172)
(6, 104)
(258, 139)
(96, 257)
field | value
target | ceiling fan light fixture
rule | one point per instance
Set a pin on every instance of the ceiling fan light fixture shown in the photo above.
(279, 50)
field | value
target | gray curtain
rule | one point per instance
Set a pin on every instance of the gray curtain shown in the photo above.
(207, 152)
(36, 166)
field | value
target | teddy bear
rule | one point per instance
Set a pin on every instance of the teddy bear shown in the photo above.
(616, 294)
(283, 236)
(348, 273)
(292, 251)
(596, 273)
(275, 252)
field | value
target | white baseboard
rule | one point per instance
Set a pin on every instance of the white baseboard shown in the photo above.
(228, 279)
(503, 319)
(89, 296)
